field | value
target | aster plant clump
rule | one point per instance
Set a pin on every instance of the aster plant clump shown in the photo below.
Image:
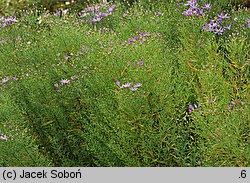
(192, 8)
(8, 21)
(6, 82)
(131, 86)
(96, 13)
(115, 85)
(218, 25)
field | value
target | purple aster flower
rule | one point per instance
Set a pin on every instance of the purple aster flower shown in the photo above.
(130, 40)
(102, 15)
(205, 26)
(137, 85)
(64, 81)
(228, 107)
(96, 8)
(218, 31)
(141, 34)
(207, 6)
(208, 27)
(56, 85)
(188, 12)
(126, 85)
(99, 19)
(57, 13)
(222, 16)
(84, 15)
(135, 38)
(93, 20)
(140, 62)
(193, 3)
(47, 15)
(228, 27)
(5, 80)
(14, 78)
(14, 20)
(133, 89)
(97, 15)
(112, 8)
(88, 8)
(190, 108)
(214, 24)
(10, 20)
(145, 34)
(159, 14)
(3, 137)
(117, 83)
(196, 12)
(66, 57)
(248, 22)
(201, 12)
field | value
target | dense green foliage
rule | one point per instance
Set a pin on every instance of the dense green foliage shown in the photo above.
(14, 6)
(65, 99)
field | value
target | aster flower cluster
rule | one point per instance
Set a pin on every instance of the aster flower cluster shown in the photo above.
(195, 10)
(234, 104)
(248, 22)
(192, 107)
(142, 37)
(131, 85)
(65, 82)
(7, 79)
(217, 24)
(3, 137)
(96, 13)
(8, 21)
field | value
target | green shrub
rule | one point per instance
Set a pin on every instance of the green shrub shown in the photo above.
(145, 86)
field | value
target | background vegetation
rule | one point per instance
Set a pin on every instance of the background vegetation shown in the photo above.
(146, 84)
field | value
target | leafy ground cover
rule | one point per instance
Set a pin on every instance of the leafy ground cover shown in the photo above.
(161, 83)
